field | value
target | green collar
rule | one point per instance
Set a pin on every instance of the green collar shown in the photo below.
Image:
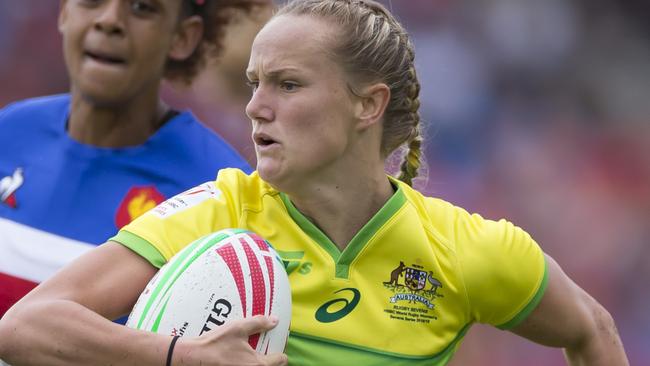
(358, 242)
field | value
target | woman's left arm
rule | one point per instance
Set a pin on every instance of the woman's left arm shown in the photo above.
(568, 317)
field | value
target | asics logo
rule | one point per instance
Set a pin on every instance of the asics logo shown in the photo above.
(336, 309)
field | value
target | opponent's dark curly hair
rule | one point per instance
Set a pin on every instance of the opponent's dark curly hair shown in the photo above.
(216, 15)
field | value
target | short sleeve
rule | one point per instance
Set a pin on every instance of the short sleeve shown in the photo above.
(169, 227)
(504, 270)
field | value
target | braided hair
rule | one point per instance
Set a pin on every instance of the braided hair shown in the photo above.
(373, 46)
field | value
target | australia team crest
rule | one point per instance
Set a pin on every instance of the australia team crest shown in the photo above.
(415, 290)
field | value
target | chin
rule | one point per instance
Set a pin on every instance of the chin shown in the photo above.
(101, 98)
(270, 174)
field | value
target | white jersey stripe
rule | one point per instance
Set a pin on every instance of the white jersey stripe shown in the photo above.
(33, 254)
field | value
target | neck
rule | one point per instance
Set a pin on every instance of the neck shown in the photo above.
(118, 125)
(340, 210)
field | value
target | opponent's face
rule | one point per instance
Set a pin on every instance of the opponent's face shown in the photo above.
(116, 49)
(301, 107)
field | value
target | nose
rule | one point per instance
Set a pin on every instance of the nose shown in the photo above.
(110, 18)
(259, 108)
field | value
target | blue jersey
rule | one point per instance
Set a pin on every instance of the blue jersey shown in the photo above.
(59, 198)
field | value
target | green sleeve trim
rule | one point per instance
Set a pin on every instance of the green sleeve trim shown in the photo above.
(140, 246)
(532, 304)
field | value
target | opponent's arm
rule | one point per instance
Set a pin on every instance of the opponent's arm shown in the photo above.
(64, 320)
(568, 317)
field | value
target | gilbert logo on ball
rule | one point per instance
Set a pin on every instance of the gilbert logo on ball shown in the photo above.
(227, 275)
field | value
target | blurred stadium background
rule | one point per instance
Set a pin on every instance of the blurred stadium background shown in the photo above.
(537, 111)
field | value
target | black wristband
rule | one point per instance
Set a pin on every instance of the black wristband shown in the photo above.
(171, 350)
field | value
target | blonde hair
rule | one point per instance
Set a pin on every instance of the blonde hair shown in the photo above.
(373, 46)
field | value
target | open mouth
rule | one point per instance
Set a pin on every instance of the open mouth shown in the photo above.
(264, 141)
(104, 58)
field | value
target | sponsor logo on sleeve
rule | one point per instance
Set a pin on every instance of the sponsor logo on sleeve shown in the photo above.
(187, 199)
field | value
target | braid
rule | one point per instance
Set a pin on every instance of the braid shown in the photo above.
(411, 163)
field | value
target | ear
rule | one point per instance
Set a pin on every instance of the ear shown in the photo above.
(372, 104)
(63, 15)
(187, 38)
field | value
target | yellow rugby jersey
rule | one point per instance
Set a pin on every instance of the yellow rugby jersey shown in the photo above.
(404, 291)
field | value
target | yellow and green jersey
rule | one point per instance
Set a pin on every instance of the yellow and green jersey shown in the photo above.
(403, 292)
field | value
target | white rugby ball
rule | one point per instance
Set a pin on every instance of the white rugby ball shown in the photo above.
(227, 275)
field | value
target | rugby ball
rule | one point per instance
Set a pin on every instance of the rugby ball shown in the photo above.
(227, 275)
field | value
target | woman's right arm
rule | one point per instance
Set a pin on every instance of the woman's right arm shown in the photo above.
(63, 321)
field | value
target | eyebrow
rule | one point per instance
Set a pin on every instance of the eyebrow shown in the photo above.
(274, 73)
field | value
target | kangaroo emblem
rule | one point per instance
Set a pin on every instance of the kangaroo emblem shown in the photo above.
(394, 274)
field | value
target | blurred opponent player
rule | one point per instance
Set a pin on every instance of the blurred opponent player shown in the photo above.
(76, 167)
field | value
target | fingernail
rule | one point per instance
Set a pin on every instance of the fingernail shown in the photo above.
(274, 319)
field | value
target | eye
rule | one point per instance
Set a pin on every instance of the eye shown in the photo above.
(289, 86)
(142, 7)
(253, 85)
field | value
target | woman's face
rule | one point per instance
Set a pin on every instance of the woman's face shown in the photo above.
(116, 49)
(301, 107)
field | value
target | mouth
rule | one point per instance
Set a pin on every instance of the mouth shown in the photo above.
(263, 140)
(104, 58)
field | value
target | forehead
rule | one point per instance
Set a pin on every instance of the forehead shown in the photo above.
(290, 38)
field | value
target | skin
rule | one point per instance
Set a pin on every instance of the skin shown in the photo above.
(303, 162)
(314, 139)
(115, 52)
(587, 332)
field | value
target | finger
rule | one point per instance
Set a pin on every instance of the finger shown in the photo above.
(275, 359)
(258, 324)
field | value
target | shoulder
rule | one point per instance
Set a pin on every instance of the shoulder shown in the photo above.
(462, 231)
(492, 257)
(248, 186)
(47, 106)
(32, 120)
(201, 144)
(441, 218)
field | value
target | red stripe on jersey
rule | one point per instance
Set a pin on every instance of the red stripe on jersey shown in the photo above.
(259, 289)
(12, 289)
(227, 252)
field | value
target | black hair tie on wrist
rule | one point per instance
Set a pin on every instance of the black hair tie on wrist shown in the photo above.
(171, 350)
